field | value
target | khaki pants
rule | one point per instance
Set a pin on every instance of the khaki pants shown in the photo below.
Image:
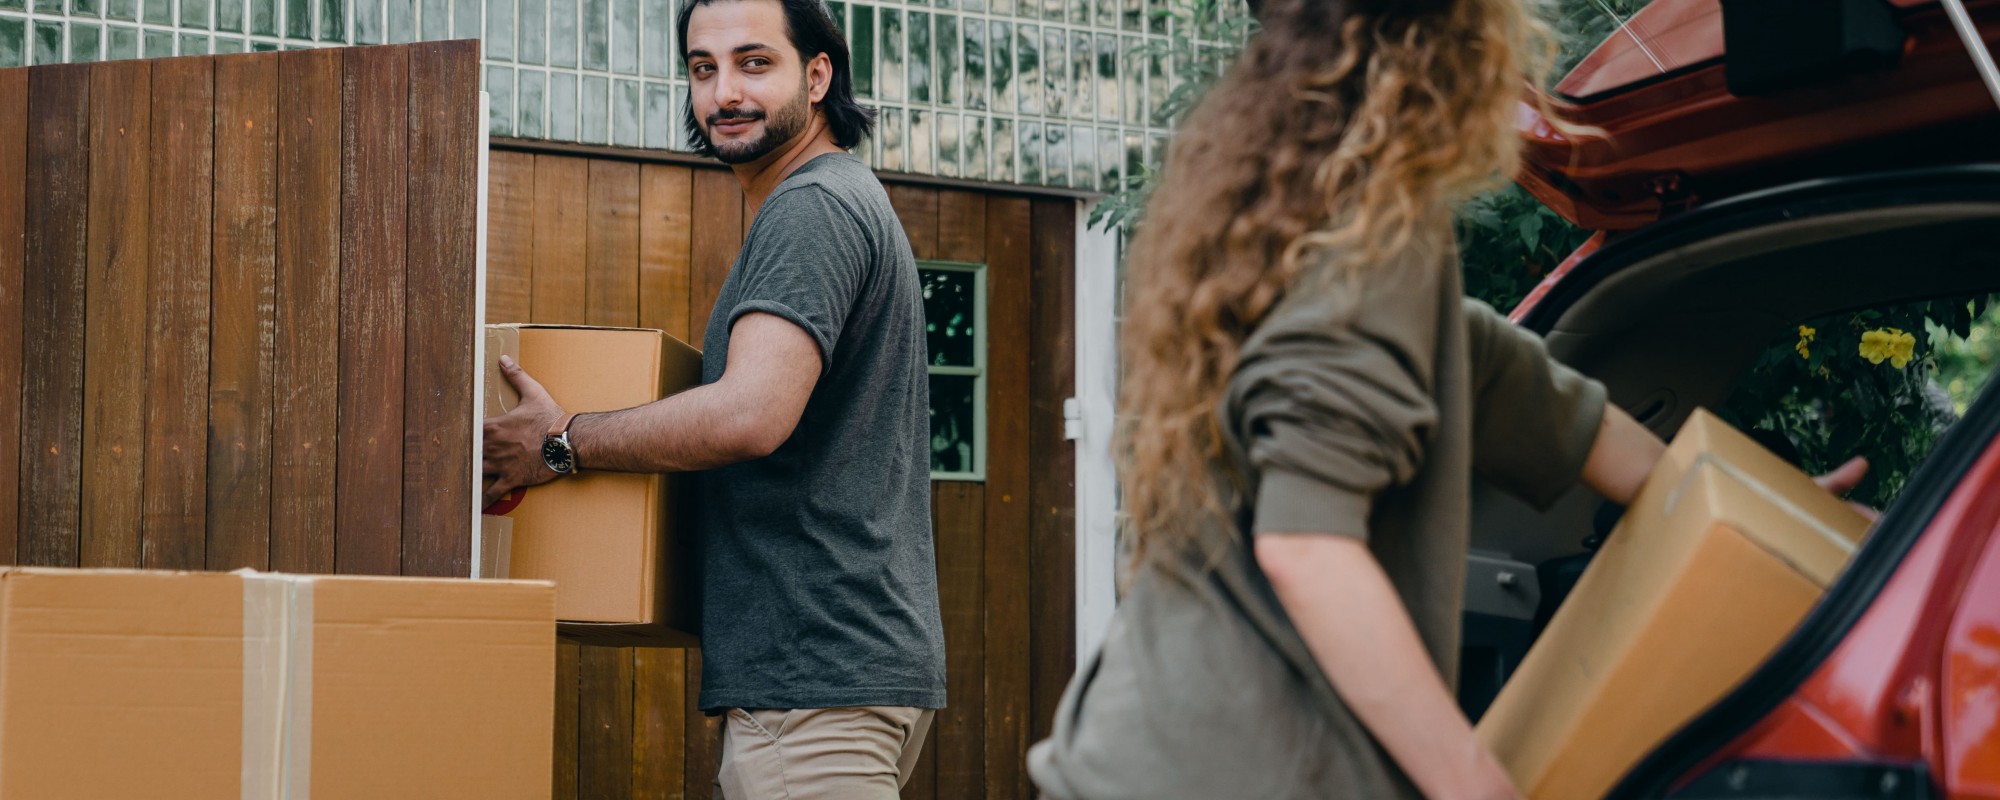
(820, 753)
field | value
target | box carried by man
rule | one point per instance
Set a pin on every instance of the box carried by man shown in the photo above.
(612, 542)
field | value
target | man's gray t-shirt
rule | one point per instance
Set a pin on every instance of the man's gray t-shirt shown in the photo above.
(820, 588)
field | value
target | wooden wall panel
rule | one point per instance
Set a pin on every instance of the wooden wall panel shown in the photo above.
(704, 736)
(604, 763)
(1009, 313)
(373, 258)
(243, 336)
(666, 214)
(561, 200)
(717, 234)
(207, 300)
(13, 211)
(182, 173)
(443, 239)
(114, 427)
(611, 254)
(659, 724)
(305, 382)
(52, 345)
(510, 236)
(959, 736)
(961, 227)
(569, 691)
(1052, 486)
(917, 208)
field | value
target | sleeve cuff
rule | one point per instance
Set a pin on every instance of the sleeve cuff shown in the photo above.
(1574, 441)
(1291, 502)
(791, 315)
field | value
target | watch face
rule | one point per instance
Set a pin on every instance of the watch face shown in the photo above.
(558, 456)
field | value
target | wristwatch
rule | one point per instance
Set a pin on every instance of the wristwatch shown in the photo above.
(557, 452)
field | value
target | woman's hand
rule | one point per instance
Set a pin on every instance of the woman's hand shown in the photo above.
(1843, 479)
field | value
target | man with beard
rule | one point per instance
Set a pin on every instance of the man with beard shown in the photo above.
(821, 638)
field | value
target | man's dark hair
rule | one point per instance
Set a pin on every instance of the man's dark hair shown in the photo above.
(811, 28)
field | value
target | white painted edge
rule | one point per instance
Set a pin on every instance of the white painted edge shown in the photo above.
(1096, 396)
(479, 335)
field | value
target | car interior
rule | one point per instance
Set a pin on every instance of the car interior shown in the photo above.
(1672, 317)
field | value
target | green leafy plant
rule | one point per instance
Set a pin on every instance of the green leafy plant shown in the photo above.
(1867, 383)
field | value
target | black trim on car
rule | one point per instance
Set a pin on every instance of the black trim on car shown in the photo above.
(1812, 780)
(1957, 183)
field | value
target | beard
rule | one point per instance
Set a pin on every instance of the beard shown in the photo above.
(780, 128)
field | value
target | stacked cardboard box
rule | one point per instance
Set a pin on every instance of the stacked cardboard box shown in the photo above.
(195, 686)
(1721, 555)
(611, 542)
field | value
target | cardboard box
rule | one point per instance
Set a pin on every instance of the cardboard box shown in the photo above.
(1721, 555)
(196, 686)
(623, 568)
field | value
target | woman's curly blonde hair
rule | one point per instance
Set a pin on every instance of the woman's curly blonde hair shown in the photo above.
(1343, 131)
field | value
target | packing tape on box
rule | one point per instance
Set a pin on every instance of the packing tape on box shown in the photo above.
(1762, 490)
(277, 686)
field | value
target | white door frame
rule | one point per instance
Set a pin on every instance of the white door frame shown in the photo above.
(1089, 421)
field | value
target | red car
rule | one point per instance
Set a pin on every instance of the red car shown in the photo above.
(1770, 162)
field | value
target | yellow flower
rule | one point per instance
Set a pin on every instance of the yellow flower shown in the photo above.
(1888, 344)
(1806, 335)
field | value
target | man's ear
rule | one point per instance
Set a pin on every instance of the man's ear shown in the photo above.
(819, 77)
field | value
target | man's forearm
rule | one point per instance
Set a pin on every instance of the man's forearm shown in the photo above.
(701, 428)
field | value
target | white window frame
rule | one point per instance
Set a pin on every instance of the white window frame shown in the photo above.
(977, 371)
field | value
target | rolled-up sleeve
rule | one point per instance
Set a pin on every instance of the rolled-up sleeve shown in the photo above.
(1534, 419)
(1328, 418)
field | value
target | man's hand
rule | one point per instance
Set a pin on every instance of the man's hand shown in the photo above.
(1843, 479)
(513, 452)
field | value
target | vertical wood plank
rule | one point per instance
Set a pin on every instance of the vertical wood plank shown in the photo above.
(375, 89)
(611, 253)
(306, 380)
(242, 308)
(717, 235)
(561, 199)
(666, 215)
(52, 344)
(704, 733)
(114, 427)
(960, 736)
(659, 723)
(1052, 523)
(13, 210)
(440, 311)
(962, 229)
(510, 236)
(569, 688)
(182, 183)
(917, 207)
(1009, 315)
(604, 766)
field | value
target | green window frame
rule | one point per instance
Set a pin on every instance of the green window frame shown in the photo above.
(973, 464)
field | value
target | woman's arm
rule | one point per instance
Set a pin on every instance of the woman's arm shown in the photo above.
(1357, 629)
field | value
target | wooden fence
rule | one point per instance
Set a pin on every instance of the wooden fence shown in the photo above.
(237, 295)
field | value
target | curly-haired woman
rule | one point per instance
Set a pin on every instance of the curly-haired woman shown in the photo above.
(1308, 396)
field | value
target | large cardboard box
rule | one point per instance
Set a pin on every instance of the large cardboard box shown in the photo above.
(197, 686)
(1721, 555)
(611, 542)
